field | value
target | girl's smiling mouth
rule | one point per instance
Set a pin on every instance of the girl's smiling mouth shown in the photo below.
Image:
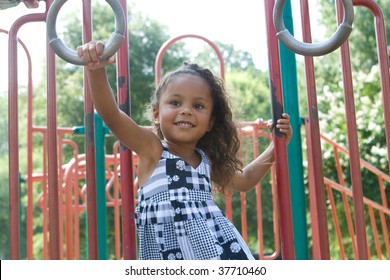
(184, 124)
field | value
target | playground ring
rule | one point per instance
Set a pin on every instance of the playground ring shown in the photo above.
(111, 47)
(313, 49)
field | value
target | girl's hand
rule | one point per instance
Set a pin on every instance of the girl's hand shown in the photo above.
(91, 52)
(283, 125)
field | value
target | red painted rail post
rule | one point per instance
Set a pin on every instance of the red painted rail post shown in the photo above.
(126, 156)
(13, 138)
(316, 175)
(353, 145)
(283, 184)
(52, 154)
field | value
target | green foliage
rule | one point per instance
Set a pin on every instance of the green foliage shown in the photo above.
(249, 94)
(232, 59)
(367, 98)
(145, 39)
(362, 39)
(368, 102)
(4, 204)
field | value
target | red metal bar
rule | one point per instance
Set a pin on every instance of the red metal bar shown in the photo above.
(29, 183)
(336, 221)
(52, 152)
(45, 200)
(117, 203)
(257, 133)
(381, 176)
(13, 138)
(375, 232)
(338, 165)
(385, 232)
(383, 61)
(244, 223)
(13, 142)
(348, 216)
(60, 196)
(283, 184)
(69, 179)
(312, 196)
(370, 205)
(316, 184)
(169, 43)
(259, 208)
(90, 144)
(356, 178)
(29, 210)
(126, 156)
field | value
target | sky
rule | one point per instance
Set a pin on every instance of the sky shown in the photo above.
(240, 23)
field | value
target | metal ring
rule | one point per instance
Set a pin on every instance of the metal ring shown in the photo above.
(312, 49)
(111, 47)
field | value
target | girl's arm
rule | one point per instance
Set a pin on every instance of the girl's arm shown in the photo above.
(255, 171)
(136, 138)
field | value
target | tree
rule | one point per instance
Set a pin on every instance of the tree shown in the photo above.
(368, 100)
(365, 81)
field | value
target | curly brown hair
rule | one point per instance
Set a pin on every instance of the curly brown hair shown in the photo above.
(221, 143)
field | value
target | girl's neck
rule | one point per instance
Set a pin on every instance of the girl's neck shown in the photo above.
(187, 152)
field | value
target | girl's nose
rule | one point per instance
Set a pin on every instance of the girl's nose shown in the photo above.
(186, 110)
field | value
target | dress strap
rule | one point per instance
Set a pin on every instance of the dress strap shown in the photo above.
(165, 153)
(205, 159)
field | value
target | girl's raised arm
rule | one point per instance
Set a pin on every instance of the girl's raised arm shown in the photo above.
(138, 139)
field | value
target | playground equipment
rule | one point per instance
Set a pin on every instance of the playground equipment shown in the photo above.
(6, 4)
(83, 167)
(311, 49)
(111, 47)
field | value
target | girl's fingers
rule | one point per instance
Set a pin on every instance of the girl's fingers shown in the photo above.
(99, 48)
(79, 52)
(91, 53)
(270, 125)
(96, 50)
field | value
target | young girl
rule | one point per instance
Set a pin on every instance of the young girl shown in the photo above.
(196, 144)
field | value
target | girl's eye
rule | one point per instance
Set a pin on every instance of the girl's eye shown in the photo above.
(175, 103)
(199, 106)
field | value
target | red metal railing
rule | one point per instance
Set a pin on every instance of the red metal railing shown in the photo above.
(316, 186)
(72, 194)
(73, 191)
(369, 205)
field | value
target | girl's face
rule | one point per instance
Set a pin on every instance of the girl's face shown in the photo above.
(185, 110)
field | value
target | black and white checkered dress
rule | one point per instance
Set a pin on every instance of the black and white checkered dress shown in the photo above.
(177, 218)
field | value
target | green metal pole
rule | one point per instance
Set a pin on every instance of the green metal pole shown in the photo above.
(80, 130)
(23, 254)
(86, 235)
(100, 188)
(294, 149)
